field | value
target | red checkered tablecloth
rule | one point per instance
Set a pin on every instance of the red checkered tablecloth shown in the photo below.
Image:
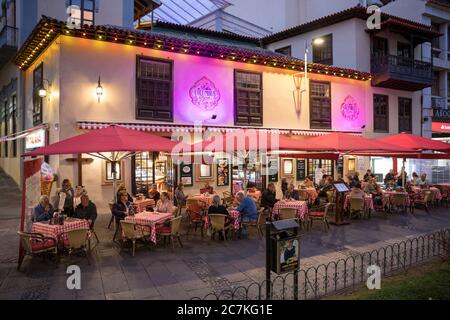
(142, 204)
(435, 192)
(150, 219)
(368, 202)
(58, 232)
(301, 206)
(388, 194)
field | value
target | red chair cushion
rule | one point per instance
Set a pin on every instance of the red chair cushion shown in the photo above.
(163, 229)
(42, 245)
(316, 214)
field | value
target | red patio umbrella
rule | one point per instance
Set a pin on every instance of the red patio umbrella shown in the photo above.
(416, 142)
(112, 143)
(110, 139)
(346, 143)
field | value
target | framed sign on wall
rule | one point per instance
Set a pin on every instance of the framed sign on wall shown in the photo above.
(186, 174)
(301, 169)
(108, 175)
(288, 167)
(204, 172)
(272, 169)
(223, 172)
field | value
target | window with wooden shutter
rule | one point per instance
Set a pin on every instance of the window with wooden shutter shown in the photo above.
(404, 115)
(320, 105)
(248, 98)
(154, 89)
(380, 113)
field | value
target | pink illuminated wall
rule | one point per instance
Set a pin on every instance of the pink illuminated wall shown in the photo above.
(187, 72)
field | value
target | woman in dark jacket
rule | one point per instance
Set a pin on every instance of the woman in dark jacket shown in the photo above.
(122, 207)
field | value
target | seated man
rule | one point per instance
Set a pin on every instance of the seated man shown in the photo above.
(368, 175)
(154, 194)
(423, 182)
(86, 210)
(268, 199)
(247, 209)
(328, 186)
(44, 210)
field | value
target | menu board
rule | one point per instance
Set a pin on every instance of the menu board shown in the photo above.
(301, 169)
(186, 174)
(272, 166)
(223, 172)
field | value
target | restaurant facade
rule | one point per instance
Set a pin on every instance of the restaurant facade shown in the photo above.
(169, 83)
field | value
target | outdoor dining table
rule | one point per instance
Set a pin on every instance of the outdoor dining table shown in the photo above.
(142, 204)
(387, 195)
(368, 202)
(435, 192)
(300, 206)
(150, 219)
(59, 232)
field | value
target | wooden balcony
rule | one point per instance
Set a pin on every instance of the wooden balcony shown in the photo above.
(396, 72)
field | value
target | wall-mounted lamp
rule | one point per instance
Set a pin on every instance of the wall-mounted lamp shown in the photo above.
(43, 91)
(99, 90)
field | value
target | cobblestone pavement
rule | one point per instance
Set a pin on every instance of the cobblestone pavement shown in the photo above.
(197, 269)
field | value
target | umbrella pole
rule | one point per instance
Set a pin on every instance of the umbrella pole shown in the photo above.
(403, 173)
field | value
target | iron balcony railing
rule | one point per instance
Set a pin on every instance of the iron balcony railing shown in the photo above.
(401, 66)
(8, 37)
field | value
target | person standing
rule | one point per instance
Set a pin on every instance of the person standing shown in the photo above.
(66, 195)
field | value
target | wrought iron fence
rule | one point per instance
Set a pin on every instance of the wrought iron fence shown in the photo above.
(324, 279)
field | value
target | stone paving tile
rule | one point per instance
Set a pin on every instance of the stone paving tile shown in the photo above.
(173, 292)
(124, 295)
(115, 282)
(145, 293)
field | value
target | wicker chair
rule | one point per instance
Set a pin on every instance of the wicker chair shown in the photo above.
(172, 232)
(288, 213)
(357, 206)
(263, 215)
(77, 241)
(195, 215)
(422, 201)
(218, 225)
(320, 214)
(36, 244)
(134, 232)
(112, 216)
(399, 202)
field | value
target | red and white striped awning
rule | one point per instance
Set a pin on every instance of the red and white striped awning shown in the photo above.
(94, 125)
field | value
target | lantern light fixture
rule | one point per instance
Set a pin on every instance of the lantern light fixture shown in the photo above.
(99, 90)
(43, 90)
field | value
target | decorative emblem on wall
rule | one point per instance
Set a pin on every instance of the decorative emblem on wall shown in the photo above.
(204, 94)
(350, 109)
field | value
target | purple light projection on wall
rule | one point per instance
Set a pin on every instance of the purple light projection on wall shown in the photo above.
(204, 94)
(203, 91)
(350, 109)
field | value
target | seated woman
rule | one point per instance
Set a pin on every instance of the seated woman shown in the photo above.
(328, 186)
(79, 190)
(44, 210)
(86, 210)
(164, 205)
(122, 207)
(391, 185)
(180, 198)
(291, 193)
(121, 190)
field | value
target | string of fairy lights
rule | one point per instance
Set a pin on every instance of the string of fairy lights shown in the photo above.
(50, 29)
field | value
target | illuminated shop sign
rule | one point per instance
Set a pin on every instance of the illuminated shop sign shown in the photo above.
(36, 139)
(204, 94)
(441, 127)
